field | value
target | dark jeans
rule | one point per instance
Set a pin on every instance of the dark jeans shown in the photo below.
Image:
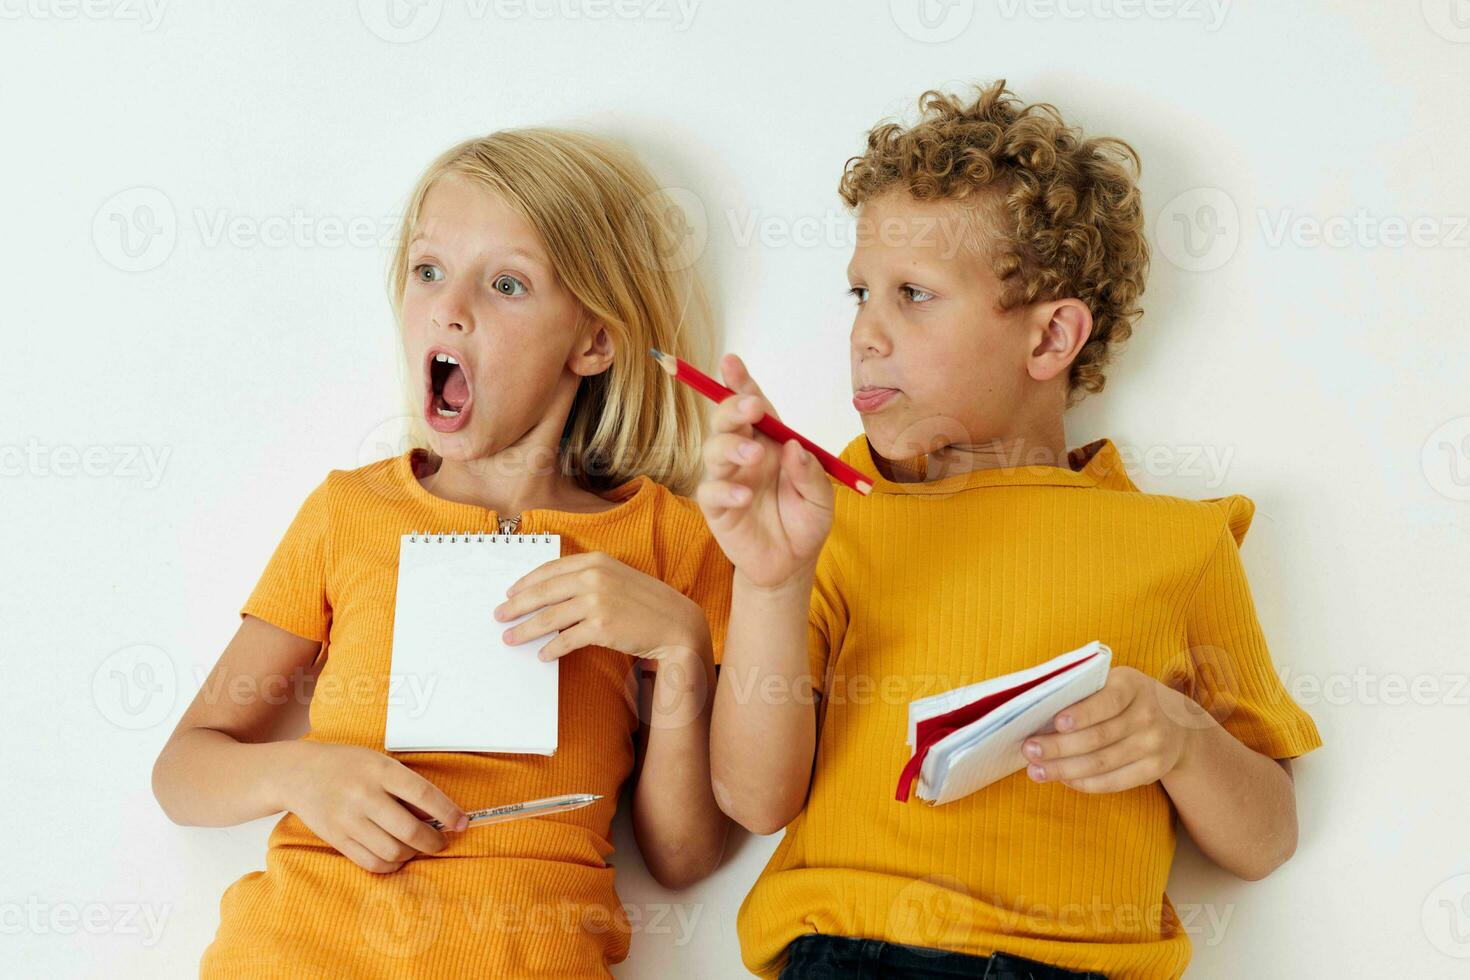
(819, 957)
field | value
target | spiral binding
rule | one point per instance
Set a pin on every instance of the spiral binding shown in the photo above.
(454, 537)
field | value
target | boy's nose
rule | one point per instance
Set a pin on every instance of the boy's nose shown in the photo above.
(869, 339)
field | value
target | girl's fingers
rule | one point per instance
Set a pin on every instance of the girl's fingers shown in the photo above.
(576, 638)
(1108, 702)
(366, 859)
(529, 598)
(389, 814)
(378, 841)
(553, 568)
(561, 616)
(413, 789)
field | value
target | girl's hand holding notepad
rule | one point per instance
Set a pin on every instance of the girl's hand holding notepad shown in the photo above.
(367, 805)
(594, 599)
(769, 505)
(1133, 732)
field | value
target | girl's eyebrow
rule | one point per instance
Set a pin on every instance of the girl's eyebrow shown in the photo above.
(518, 253)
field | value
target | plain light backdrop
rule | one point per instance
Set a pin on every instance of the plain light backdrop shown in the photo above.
(197, 201)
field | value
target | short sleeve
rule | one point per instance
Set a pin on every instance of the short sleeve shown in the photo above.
(292, 591)
(827, 617)
(1231, 673)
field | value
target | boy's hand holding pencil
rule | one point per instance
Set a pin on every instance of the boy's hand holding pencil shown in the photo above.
(768, 503)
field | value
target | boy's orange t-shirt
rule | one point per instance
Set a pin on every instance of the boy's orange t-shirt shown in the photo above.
(529, 898)
(923, 587)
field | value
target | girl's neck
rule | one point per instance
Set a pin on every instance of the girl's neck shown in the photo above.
(509, 483)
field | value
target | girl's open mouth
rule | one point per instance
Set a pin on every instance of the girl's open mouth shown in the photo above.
(447, 405)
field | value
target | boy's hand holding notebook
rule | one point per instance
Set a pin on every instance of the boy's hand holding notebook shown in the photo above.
(965, 739)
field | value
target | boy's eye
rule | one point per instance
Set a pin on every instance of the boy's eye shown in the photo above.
(434, 272)
(918, 295)
(860, 293)
(508, 285)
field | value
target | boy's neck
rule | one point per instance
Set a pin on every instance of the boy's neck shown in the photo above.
(1040, 444)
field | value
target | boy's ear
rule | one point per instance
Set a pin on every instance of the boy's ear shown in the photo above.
(593, 353)
(1062, 327)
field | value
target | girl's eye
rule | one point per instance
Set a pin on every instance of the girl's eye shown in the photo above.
(508, 285)
(435, 273)
(859, 293)
(918, 295)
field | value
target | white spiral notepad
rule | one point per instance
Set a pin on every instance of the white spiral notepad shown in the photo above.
(454, 685)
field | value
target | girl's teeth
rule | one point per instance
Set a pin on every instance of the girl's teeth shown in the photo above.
(443, 358)
(447, 413)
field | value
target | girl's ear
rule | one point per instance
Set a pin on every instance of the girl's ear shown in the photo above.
(593, 353)
(1062, 328)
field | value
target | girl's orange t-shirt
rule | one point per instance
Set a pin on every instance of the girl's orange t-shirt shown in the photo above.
(529, 898)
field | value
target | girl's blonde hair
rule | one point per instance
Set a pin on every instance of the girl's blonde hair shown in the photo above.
(614, 239)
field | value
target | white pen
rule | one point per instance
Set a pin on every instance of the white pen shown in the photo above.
(530, 808)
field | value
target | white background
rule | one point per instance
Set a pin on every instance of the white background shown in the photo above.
(1325, 379)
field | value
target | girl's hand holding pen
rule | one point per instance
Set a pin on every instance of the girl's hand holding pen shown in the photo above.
(769, 505)
(367, 805)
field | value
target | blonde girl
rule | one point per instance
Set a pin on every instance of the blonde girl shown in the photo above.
(533, 270)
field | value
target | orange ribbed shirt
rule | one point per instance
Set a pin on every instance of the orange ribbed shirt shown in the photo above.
(927, 586)
(529, 898)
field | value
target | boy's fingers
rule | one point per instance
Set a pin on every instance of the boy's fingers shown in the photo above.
(718, 496)
(739, 380)
(726, 452)
(1110, 701)
(805, 472)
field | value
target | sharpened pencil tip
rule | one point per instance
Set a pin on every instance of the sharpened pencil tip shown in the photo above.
(656, 353)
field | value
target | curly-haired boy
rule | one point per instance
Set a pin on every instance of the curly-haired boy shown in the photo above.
(999, 263)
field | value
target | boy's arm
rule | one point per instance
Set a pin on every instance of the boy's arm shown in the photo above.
(763, 734)
(1237, 804)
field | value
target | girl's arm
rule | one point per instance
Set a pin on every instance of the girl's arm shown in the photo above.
(592, 599)
(680, 829)
(219, 768)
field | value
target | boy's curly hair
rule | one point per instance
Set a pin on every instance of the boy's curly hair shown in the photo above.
(1066, 218)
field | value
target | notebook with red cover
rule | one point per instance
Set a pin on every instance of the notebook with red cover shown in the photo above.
(965, 739)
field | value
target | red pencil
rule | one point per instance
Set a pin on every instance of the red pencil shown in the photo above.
(771, 426)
